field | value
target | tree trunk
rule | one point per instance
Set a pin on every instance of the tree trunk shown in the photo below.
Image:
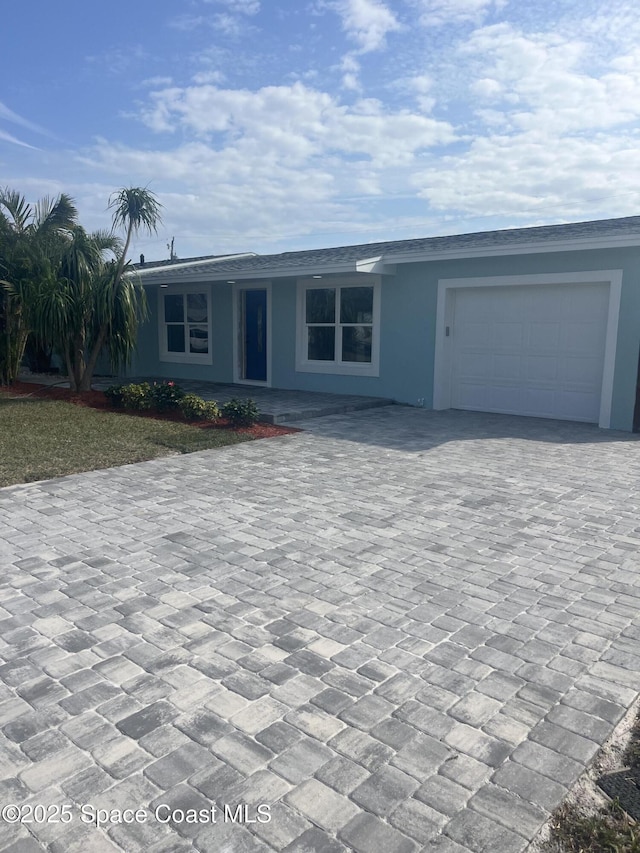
(87, 376)
(69, 365)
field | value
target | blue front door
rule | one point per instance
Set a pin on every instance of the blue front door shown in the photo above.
(255, 335)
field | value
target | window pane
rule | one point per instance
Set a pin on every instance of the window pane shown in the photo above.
(173, 308)
(321, 305)
(356, 305)
(322, 343)
(198, 339)
(356, 343)
(175, 338)
(196, 307)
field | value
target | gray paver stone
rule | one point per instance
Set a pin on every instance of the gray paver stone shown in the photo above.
(149, 718)
(529, 785)
(442, 794)
(322, 805)
(549, 763)
(301, 760)
(384, 790)
(418, 820)
(368, 834)
(483, 835)
(314, 841)
(509, 810)
(178, 765)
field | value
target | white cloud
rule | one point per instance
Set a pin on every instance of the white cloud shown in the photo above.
(227, 24)
(439, 12)
(487, 88)
(152, 82)
(203, 77)
(119, 61)
(7, 137)
(222, 194)
(186, 23)
(544, 80)
(367, 22)
(280, 160)
(297, 122)
(543, 121)
(14, 118)
(229, 21)
(243, 7)
(421, 85)
(543, 113)
(351, 68)
(512, 177)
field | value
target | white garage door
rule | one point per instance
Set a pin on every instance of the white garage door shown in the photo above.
(530, 350)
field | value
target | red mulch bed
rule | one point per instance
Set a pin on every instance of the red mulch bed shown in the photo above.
(97, 400)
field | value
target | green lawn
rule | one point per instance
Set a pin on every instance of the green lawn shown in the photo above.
(40, 439)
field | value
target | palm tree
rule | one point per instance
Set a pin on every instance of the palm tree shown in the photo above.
(66, 311)
(120, 302)
(30, 239)
(68, 288)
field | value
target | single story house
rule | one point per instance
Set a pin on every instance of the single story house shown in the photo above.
(543, 321)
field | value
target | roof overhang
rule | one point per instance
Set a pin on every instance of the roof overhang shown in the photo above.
(385, 264)
(195, 275)
(523, 248)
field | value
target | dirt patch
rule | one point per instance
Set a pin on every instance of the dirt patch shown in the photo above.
(98, 400)
(586, 801)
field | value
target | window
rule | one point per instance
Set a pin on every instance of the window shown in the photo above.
(338, 329)
(185, 325)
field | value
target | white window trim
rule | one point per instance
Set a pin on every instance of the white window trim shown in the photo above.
(444, 319)
(186, 357)
(339, 368)
(238, 346)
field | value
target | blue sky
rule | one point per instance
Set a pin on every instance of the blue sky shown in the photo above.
(272, 125)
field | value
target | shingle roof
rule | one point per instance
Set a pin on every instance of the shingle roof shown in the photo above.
(344, 257)
(152, 265)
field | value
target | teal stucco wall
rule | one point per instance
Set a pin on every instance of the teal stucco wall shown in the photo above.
(407, 329)
(146, 361)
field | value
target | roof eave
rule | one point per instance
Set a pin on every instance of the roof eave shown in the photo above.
(384, 264)
(200, 276)
(151, 270)
(574, 245)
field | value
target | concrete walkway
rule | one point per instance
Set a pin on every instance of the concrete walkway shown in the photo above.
(276, 405)
(398, 631)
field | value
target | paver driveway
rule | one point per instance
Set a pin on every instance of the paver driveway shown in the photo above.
(398, 631)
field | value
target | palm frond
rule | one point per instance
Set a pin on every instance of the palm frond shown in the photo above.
(20, 212)
(55, 215)
(135, 208)
(107, 242)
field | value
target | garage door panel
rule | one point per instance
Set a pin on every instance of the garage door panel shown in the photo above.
(507, 335)
(580, 338)
(530, 350)
(540, 368)
(506, 398)
(574, 373)
(507, 367)
(476, 334)
(536, 306)
(574, 405)
(473, 396)
(539, 402)
(475, 367)
(544, 337)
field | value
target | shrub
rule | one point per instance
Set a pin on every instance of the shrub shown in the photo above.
(114, 395)
(137, 397)
(194, 408)
(241, 412)
(166, 396)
